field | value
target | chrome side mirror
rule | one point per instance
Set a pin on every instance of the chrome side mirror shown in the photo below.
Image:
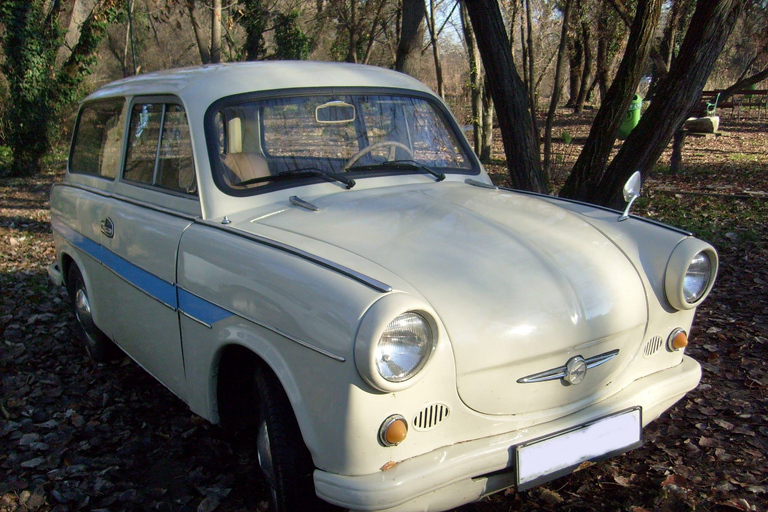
(631, 192)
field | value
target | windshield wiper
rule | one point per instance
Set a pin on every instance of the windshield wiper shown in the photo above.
(300, 173)
(413, 164)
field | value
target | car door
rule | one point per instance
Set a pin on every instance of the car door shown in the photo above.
(78, 205)
(154, 201)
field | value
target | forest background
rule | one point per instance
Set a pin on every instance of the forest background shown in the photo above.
(593, 54)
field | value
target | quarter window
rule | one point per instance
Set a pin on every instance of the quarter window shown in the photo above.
(98, 139)
(159, 149)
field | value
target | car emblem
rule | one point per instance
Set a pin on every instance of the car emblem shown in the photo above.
(573, 372)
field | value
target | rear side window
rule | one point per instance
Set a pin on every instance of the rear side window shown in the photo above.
(159, 149)
(98, 138)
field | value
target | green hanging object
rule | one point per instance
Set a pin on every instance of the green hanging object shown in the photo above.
(631, 118)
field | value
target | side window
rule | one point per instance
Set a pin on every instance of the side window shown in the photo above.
(98, 137)
(159, 148)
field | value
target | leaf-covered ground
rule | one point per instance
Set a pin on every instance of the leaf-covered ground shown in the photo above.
(76, 435)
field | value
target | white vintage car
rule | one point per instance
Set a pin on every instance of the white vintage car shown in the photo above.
(314, 249)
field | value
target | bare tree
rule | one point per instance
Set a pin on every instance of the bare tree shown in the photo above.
(593, 158)
(216, 32)
(556, 86)
(711, 25)
(411, 36)
(431, 26)
(509, 96)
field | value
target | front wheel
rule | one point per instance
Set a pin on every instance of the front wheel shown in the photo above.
(98, 345)
(284, 459)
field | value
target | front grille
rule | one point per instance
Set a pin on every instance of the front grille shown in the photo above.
(430, 416)
(653, 346)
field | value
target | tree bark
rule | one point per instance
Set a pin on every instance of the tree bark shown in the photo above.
(435, 50)
(509, 96)
(411, 37)
(556, 87)
(216, 32)
(589, 167)
(588, 59)
(532, 99)
(475, 78)
(486, 144)
(709, 29)
(575, 65)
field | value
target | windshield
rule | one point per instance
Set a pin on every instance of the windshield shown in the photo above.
(320, 136)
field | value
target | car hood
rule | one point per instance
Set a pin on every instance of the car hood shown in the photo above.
(520, 284)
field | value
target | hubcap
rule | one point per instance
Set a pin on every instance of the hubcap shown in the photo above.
(83, 307)
(83, 314)
(264, 453)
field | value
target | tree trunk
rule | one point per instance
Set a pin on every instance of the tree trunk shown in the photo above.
(202, 43)
(601, 65)
(435, 51)
(475, 78)
(532, 99)
(216, 32)
(509, 96)
(588, 59)
(486, 146)
(411, 37)
(575, 64)
(352, 50)
(556, 87)
(589, 167)
(709, 29)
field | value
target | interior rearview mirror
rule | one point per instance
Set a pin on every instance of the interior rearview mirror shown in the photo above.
(335, 112)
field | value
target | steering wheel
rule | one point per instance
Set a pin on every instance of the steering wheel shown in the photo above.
(391, 156)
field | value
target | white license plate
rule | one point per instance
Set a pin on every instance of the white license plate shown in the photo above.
(547, 458)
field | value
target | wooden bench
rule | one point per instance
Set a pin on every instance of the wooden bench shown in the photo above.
(757, 98)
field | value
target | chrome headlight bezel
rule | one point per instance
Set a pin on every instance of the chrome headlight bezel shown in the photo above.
(684, 268)
(377, 320)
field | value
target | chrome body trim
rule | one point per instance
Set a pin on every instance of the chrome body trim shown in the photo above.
(135, 202)
(296, 200)
(476, 183)
(562, 372)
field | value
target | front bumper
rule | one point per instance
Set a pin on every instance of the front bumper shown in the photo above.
(465, 472)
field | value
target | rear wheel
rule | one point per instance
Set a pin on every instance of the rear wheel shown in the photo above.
(99, 346)
(284, 459)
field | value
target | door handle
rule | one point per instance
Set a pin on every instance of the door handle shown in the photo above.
(108, 227)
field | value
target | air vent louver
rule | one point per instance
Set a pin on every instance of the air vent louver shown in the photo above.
(430, 417)
(653, 346)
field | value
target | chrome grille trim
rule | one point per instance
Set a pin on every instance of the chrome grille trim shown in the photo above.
(561, 371)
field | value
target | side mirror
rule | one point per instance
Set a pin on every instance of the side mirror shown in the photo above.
(631, 192)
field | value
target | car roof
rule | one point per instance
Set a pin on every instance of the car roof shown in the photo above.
(210, 82)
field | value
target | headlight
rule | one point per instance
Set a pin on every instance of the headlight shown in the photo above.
(404, 347)
(395, 341)
(690, 273)
(697, 277)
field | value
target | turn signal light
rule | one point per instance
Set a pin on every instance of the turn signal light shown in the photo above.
(677, 340)
(393, 431)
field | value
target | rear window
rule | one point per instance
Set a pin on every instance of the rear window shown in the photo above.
(159, 149)
(98, 138)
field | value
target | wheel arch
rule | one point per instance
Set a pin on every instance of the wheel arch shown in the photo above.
(235, 400)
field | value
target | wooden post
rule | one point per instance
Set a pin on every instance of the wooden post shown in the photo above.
(676, 162)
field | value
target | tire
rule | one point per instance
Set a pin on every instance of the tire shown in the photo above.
(98, 345)
(284, 459)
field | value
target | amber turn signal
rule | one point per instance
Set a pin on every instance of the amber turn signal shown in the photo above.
(678, 339)
(393, 430)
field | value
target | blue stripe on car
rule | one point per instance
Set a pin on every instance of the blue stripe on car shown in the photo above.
(201, 309)
(168, 293)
